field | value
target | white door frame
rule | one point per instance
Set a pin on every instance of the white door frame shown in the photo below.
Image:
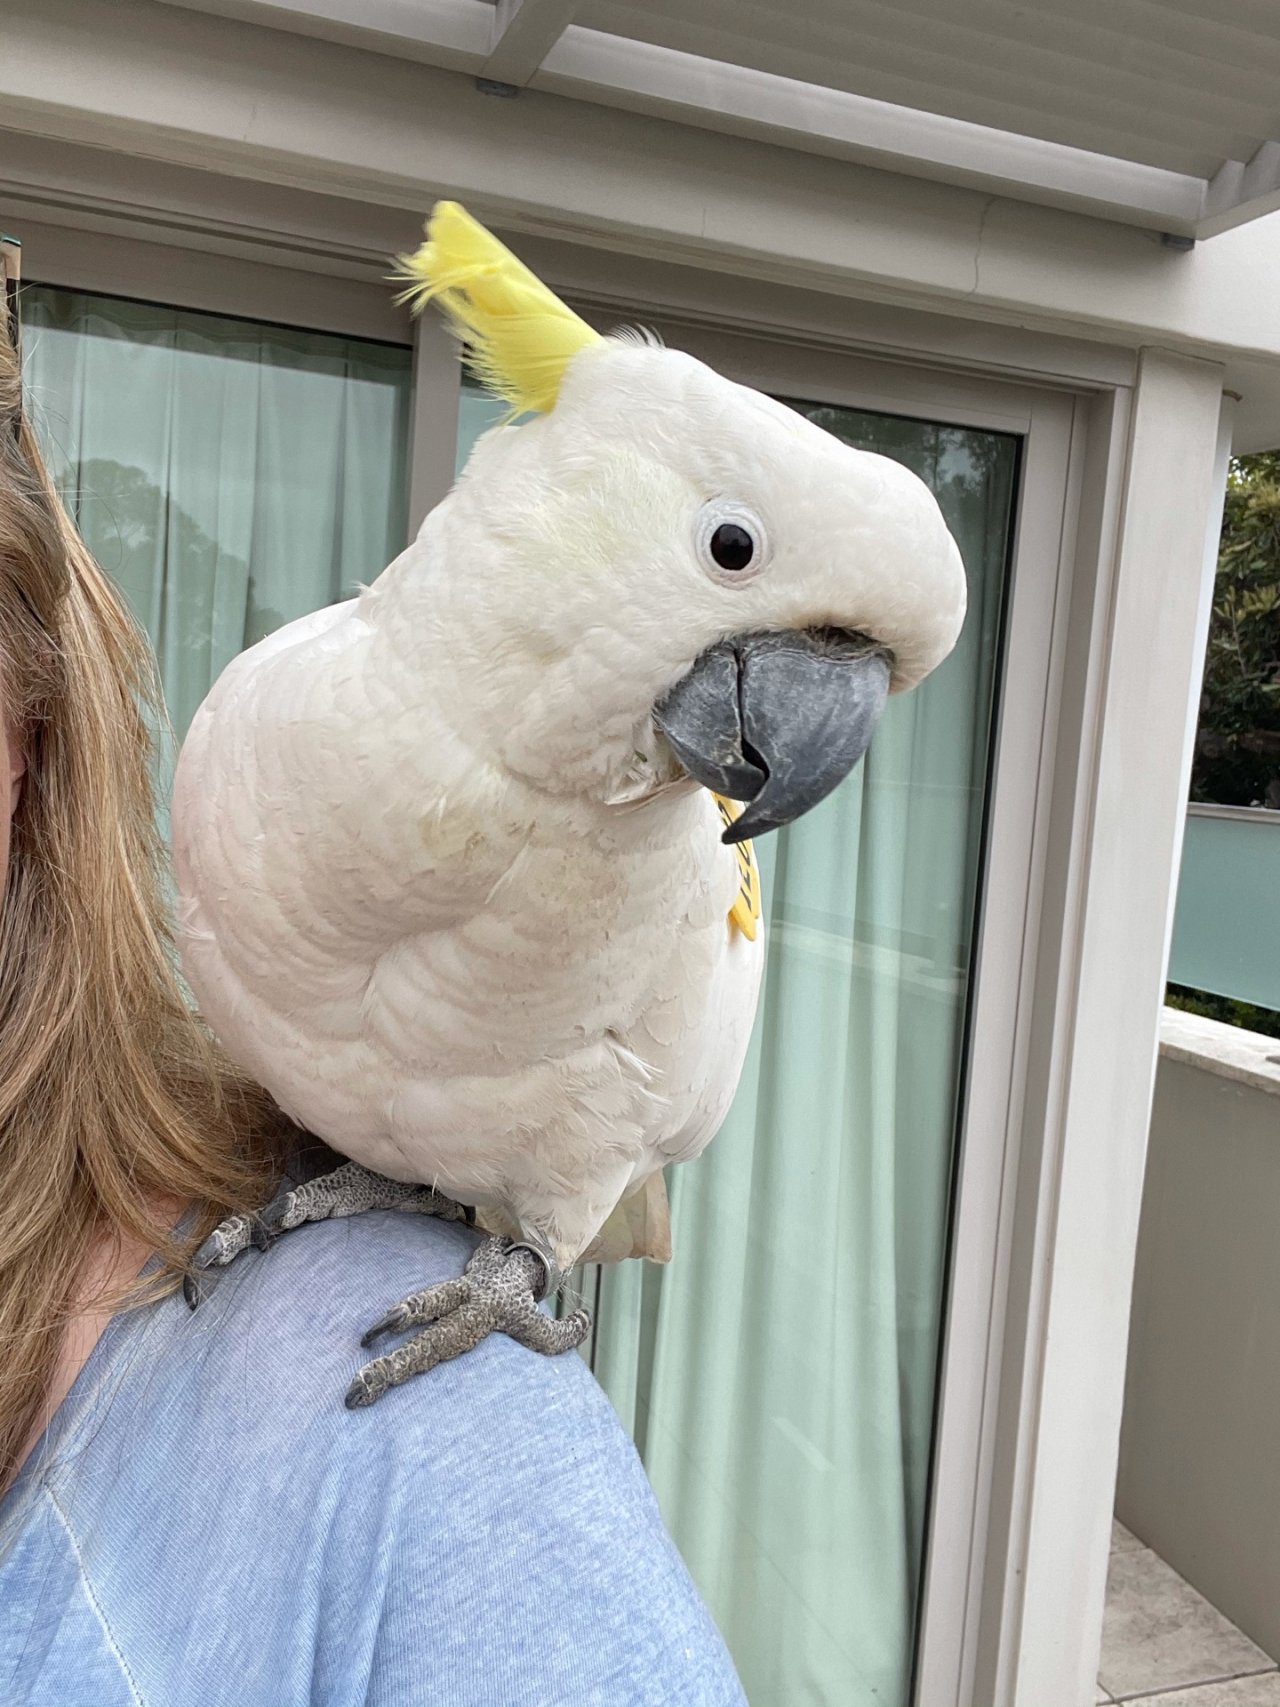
(1111, 797)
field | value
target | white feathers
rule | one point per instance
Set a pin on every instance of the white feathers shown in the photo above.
(443, 891)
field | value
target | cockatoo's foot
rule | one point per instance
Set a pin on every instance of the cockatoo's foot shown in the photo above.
(498, 1292)
(348, 1190)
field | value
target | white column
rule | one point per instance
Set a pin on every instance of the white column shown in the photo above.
(1143, 577)
(433, 426)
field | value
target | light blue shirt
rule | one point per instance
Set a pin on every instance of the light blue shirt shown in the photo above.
(206, 1525)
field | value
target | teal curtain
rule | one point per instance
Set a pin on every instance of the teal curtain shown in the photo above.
(229, 475)
(779, 1375)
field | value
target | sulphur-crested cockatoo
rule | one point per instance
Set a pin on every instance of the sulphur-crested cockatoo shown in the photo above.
(454, 882)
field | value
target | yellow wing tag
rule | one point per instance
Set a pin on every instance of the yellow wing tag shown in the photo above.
(744, 915)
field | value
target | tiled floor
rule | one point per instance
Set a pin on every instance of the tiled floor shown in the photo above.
(1163, 1645)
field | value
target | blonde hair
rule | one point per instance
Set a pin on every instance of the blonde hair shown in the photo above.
(113, 1099)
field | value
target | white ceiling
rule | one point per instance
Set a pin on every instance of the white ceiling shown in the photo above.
(1165, 84)
(1161, 113)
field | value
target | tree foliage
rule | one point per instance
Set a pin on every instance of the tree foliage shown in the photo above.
(1237, 760)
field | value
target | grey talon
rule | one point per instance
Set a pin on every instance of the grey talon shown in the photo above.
(498, 1293)
(394, 1322)
(419, 1307)
(360, 1394)
(348, 1190)
(274, 1218)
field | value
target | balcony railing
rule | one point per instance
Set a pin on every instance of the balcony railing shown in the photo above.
(1226, 931)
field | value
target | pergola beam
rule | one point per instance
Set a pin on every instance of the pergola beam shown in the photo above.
(524, 32)
(1238, 191)
(516, 44)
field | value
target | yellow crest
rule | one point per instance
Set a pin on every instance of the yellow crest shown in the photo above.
(520, 337)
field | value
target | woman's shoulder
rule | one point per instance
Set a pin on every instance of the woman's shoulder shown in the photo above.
(286, 1325)
(484, 1532)
(258, 1373)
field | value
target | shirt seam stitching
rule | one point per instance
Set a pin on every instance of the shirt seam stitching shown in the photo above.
(92, 1598)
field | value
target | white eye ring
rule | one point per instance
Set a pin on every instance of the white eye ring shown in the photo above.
(713, 557)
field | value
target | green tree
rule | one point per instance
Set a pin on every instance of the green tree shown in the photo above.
(1237, 759)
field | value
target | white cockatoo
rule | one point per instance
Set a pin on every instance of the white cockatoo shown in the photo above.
(459, 880)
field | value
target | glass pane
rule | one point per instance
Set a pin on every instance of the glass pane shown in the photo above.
(779, 1375)
(230, 476)
(1226, 930)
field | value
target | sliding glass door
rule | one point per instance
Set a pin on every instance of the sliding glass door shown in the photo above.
(779, 1375)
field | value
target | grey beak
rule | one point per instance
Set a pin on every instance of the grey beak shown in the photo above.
(776, 720)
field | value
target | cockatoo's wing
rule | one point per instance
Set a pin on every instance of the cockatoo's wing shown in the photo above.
(346, 872)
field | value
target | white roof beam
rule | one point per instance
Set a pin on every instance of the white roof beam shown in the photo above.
(739, 100)
(524, 32)
(1238, 192)
(534, 43)
(455, 34)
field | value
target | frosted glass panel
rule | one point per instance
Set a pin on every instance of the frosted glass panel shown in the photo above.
(1226, 931)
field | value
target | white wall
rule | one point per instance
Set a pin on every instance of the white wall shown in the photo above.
(1200, 1446)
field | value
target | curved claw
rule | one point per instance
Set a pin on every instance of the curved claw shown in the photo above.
(499, 1293)
(420, 1308)
(225, 1242)
(279, 1216)
(395, 1321)
(368, 1387)
(362, 1393)
(458, 1331)
(223, 1246)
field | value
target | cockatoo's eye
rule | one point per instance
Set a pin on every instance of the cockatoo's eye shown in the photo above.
(731, 541)
(732, 546)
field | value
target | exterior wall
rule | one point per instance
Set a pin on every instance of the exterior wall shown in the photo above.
(1199, 1466)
